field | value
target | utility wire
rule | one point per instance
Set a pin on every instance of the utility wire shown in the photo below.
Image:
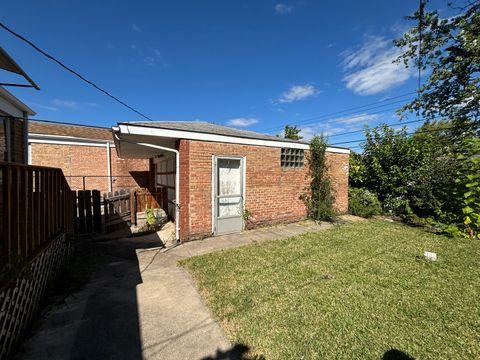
(72, 71)
(364, 107)
(389, 125)
(67, 123)
(410, 133)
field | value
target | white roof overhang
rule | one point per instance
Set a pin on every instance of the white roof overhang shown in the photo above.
(168, 137)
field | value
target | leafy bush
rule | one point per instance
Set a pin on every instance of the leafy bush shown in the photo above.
(364, 203)
(434, 174)
(150, 219)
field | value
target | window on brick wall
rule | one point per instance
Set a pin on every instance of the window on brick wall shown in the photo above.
(291, 158)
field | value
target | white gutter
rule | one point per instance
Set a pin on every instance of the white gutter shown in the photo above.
(133, 129)
(109, 168)
(25, 137)
(177, 179)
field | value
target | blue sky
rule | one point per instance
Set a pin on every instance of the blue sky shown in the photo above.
(257, 65)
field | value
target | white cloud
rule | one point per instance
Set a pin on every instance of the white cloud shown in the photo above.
(147, 56)
(371, 70)
(297, 92)
(69, 104)
(283, 8)
(338, 125)
(136, 28)
(242, 122)
(357, 118)
(45, 107)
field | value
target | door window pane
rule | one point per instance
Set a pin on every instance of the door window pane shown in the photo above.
(229, 177)
(230, 206)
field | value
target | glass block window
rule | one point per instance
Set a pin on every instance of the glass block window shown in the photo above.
(291, 158)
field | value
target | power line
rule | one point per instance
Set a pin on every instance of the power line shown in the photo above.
(410, 133)
(389, 125)
(364, 107)
(72, 71)
(67, 123)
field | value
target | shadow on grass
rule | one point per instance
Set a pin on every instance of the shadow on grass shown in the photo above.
(394, 354)
(237, 352)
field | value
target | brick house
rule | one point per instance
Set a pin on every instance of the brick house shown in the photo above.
(86, 157)
(13, 128)
(220, 180)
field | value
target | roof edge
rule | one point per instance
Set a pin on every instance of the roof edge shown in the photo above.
(279, 139)
(206, 132)
(13, 100)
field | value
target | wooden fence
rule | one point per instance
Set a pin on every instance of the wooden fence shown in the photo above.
(36, 204)
(119, 208)
(88, 217)
(143, 199)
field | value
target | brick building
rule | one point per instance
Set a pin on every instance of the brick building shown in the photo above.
(13, 128)
(86, 157)
(13, 114)
(221, 180)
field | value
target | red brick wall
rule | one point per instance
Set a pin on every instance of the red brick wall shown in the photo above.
(3, 141)
(272, 192)
(17, 140)
(338, 172)
(91, 161)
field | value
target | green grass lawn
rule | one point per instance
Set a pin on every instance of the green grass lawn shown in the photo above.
(355, 291)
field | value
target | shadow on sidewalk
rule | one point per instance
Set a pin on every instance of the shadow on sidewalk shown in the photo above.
(100, 319)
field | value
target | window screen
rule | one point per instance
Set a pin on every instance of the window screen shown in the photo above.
(291, 158)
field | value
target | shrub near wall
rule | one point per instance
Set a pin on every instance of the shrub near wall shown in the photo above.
(364, 203)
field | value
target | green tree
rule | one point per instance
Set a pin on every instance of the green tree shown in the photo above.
(450, 54)
(390, 160)
(292, 132)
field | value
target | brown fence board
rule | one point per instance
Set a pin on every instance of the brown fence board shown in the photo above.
(81, 212)
(88, 211)
(97, 217)
(33, 203)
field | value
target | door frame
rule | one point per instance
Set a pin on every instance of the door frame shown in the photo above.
(243, 172)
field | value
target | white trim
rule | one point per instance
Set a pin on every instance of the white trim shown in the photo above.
(60, 142)
(190, 135)
(61, 138)
(29, 154)
(109, 167)
(244, 186)
(213, 193)
(13, 106)
(337, 150)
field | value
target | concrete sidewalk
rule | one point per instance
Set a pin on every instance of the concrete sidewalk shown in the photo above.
(140, 305)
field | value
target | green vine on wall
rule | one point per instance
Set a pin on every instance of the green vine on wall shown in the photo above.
(319, 197)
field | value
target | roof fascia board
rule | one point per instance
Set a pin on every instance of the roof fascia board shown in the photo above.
(13, 106)
(190, 135)
(72, 140)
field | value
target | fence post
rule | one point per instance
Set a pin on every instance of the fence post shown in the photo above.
(97, 218)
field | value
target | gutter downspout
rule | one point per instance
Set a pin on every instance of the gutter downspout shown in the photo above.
(109, 168)
(177, 179)
(25, 137)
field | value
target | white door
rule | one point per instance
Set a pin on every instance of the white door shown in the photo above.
(228, 193)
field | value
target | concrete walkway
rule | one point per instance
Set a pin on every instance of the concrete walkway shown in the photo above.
(139, 304)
